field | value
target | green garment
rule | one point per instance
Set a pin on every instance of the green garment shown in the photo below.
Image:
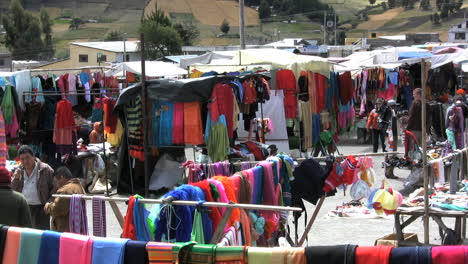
(214, 191)
(197, 229)
(8, 106)
(218, 143)
(18, 210)
(29, 246)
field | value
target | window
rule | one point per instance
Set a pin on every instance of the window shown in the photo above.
(460, 36)
(373, 35)
(83, 58)
(2, 62)
(103, 58)
(127, 57)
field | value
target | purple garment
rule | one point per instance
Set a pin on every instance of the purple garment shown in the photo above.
(78, 218)
(455, 121)
(99, 217)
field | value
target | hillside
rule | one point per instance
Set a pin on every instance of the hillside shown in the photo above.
(207, 15)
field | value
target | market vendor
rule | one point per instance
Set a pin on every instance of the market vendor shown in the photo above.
(35, 180)
(96, 136)
(415, 116)
(60, 208)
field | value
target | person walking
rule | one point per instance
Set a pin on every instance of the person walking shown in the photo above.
(35, 180)
(14, 209)
(415, 116)
(378, 122)
(59, 209)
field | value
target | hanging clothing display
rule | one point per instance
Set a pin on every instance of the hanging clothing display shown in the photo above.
(286, 81)
(135, 130)
(65, 128)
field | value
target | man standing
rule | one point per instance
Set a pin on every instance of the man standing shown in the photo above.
(14, 209)
(35, 180)
(415, 116)
(59, 210)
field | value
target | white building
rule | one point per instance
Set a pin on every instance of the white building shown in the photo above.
(459, 32)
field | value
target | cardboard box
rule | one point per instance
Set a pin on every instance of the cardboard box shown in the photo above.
(410, 239)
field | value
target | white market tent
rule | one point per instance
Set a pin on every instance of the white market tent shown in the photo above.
(274, 58)
(153, 69)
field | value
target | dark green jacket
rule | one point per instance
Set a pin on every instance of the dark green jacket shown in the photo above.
(14, 209)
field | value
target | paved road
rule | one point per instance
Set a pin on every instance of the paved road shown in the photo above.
(332, 231)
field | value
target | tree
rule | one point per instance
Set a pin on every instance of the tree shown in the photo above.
(188, 33)
(444, 11)
(114, 36)
(391, 4)
(22, 33)
(372, 2)
(264, 10)
(425, 5)
(384, 6)
(224, 27)
(439, 4)
(160, 40)
(46, 24)
(76, 23)
(436, 19)
(277, 5)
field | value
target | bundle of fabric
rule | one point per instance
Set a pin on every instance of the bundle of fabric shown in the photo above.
(384, 200)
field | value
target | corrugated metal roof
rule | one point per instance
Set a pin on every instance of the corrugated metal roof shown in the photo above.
(113, 46)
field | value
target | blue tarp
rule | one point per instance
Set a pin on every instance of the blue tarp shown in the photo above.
(413, 55)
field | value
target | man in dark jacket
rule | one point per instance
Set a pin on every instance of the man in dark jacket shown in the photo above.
(14, 210)
(35, 180)
(415, 116)
(59, 209)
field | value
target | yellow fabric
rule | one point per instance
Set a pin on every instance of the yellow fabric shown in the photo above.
(196, 74)
(115, 138)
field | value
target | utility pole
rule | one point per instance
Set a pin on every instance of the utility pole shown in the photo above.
(241, 24)
(335, 28)
(324, 27)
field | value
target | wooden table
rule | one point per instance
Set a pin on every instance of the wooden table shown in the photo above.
(437, 215)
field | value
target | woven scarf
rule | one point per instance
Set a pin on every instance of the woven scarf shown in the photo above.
(30, 244)
(8, 105)
(231, 255)
(3, 143)
(78, 218)
(159, 253)
(99, 217)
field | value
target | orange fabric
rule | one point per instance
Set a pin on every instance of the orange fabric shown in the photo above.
(372, 120)
(373, 255)
(193, 124)
(245, 221)
(231, 195)
(12, 244)
(295, 256)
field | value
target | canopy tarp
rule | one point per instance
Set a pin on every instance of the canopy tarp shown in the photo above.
(412, 55)
(184, 90)
(207, 58)
(280, 59)
(152, 69)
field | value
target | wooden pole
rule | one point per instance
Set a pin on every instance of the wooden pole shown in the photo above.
(144, 95)
(424, 151)
(311, 222)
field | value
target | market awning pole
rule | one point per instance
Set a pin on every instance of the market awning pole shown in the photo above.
(424, 150)
(145, 112)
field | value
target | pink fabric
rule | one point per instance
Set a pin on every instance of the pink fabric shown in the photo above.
(450, 254)
(178, 125)
(270, 197)
(12, 245)
(12, 129)
(75, 249)
(250, 178)
(236, 181)
(222, 193)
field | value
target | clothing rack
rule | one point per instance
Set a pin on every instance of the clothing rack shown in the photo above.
(170, 200)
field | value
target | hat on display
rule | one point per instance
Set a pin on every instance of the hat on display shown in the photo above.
(5, 176)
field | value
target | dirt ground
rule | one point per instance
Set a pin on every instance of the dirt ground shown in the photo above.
(207, 12)
(377, 21)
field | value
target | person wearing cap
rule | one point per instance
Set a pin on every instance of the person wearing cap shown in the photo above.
(59, 209)
(14, 209)
(35, 180)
